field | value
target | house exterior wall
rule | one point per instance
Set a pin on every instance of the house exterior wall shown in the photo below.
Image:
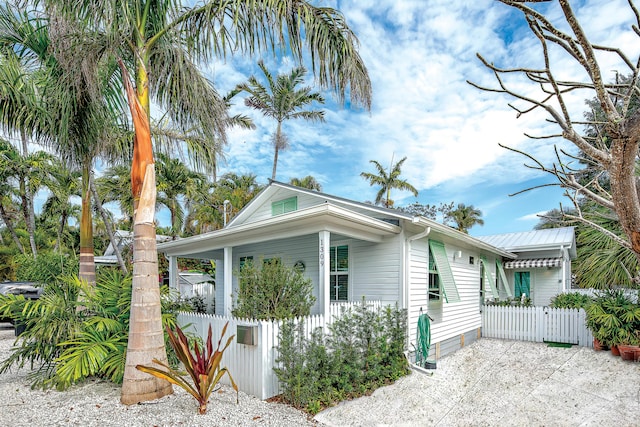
(545, 283)
(374, 268)
(451, 320)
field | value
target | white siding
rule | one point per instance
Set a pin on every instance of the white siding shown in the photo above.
(375, 270)
(545, 283)
(418, 286)
(449, 319)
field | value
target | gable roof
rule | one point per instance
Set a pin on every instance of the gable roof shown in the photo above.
(336, 214)
(535, 240)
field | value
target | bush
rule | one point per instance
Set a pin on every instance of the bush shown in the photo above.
(270, 290)
(571, 300)
(512, 302)
(46, 268)
(364, 350)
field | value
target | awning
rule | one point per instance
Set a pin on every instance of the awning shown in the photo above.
(534, 263)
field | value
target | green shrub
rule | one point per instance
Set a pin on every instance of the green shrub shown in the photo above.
(364, 350)
(46, 268)
(512, 302)
(571, 300)
(270, 290)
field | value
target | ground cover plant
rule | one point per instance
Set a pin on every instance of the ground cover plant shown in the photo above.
(363, 350)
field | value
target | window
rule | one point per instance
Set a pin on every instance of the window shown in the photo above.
(244, 260)
(522, 283)
(434, 280)
(339, 271)
(283, 206)
(446, 281)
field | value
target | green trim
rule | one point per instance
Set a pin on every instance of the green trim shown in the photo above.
(503, 277)
(488, 278)
(447, 281)
(284, 206)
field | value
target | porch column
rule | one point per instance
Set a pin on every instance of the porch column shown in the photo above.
(324, 282)
(173, 272)
(227, 289)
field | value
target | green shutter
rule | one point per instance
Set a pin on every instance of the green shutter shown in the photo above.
(522, 283)
(488, 278)
(447, 281)
(503, 278)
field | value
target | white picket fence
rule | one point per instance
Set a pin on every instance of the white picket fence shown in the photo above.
(538, 324)
(251, 365)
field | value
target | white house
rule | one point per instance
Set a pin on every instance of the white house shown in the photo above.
(543, 267)
(352, 250)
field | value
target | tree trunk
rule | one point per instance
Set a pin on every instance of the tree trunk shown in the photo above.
(12, 231)
(87, 261)
(107, 225)
(29, 214)
(146, 336)
(276, 148)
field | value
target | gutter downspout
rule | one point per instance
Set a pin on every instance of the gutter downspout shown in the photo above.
(564, 269)
(405, 288)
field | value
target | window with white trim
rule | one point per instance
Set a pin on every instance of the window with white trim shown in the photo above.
(434, 279)
(339, 273)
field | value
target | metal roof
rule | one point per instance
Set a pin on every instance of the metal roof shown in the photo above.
(550, 238)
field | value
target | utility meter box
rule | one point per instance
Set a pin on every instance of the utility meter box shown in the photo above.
(247, 335)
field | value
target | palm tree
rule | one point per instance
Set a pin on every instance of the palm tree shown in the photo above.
(308, 182)
(282, 101)
(465, 217)
(175, 181)
(62, 184)
(76, 94)
(166, 40)
(388, 181)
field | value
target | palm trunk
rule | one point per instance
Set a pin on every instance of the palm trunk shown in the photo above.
(276, 147)
(12, 231)
(146, 335)
(87, 261)
(63, 221)
(29, 214)
(107, 225)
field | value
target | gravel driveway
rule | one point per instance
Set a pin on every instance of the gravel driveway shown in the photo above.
(490, 382)
(495, 382)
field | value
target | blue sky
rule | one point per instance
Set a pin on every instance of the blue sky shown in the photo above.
(419, 56)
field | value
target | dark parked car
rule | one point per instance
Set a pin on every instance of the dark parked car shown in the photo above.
(30, 290)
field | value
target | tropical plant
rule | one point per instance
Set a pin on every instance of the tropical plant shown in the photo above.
(308, 182)
(281, 100)
(175, 182)
(75, 331)
(613, 317)
(48, 268)
(203, 366)
(388, 181)
(270, 290)
(464, 217)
